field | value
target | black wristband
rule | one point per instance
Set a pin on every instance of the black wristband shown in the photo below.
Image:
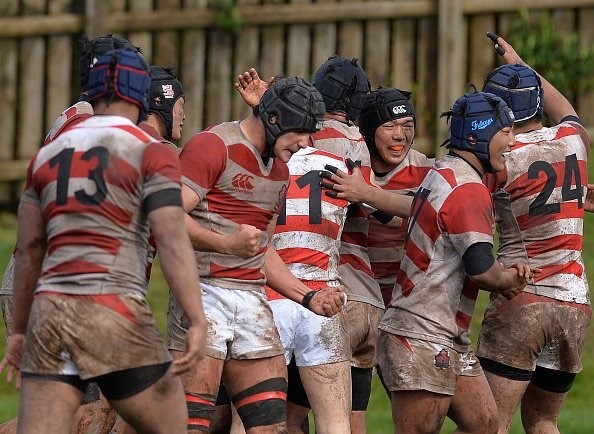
(307, 299)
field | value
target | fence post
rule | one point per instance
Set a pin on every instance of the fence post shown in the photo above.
(451, 68)
(96, 17)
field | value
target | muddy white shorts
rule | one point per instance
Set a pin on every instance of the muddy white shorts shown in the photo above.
(240, 324)
(313, 339)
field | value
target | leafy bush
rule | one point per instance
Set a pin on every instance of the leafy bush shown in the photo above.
(555, 55)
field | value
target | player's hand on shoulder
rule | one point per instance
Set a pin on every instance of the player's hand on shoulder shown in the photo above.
(246, 241)
(351, 187)
(195, 350)
(15, 345)
(328, 301)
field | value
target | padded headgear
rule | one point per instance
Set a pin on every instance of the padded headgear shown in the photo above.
(520, 87)
(383, 105)
(124, 74)
(165, 91)
(475, 118)
(343, 85)
(92, 49)
(290, 104)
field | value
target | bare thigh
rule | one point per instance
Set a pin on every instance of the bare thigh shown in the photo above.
(47, 406)
(328, 389)
(419, 411)
(159, 409)
(480, 417)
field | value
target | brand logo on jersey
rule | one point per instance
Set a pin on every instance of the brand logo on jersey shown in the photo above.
(481, 125)
(282, 196)
(399, 109)
(243, 181)
(168, 91)
(442, 359)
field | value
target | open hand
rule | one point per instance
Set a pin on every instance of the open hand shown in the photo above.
(251, 87)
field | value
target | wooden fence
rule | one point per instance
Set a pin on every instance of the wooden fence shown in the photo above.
(432, 47)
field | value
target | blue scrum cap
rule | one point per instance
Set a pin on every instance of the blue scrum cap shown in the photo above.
(520, 87)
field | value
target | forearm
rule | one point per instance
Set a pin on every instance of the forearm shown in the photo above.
(495, 279)
(205, 240)
(27, 272)
(180, 271)
(389, 202)
(177, 260)
(280, 278)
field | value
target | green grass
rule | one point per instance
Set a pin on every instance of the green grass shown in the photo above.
(576, 417)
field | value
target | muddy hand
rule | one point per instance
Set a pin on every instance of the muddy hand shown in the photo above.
(328, 301)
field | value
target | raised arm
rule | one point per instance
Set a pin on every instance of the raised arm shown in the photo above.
(555, 104)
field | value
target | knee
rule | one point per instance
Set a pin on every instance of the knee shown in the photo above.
(538, 422)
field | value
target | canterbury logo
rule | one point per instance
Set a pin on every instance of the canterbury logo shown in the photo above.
(243, 181)
(399, 109)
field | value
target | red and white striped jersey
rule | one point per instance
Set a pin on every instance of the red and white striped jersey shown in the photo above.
(452, 211)
(355, 270)
(539, 209)
(93, 184)
(71, 116)
(307, 235)
(235, 187)
(386, 245)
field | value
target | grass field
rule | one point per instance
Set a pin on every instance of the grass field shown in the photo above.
(576, 417)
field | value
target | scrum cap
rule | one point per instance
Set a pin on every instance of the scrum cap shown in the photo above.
(383, 105)
(475, 118)
(165, 91)
(520, 87)
(124, 74)
(343, 85)
(291, 104)
(92, 49)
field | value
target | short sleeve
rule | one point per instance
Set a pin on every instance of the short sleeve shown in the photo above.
(203, 160)
(467, 216)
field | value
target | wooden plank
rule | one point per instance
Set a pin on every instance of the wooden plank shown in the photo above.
(452, 71)
(218, 77)
(246, 55)
(31, 88)
(377, 50)
(142, 39)
(13, 170)
(299, 47)
(319, 12)
(484, 7)
(351, 33)
(585, 100)
(165, 42)
(324, 39)
(192, 75)
(8, 90)
(403, 57)
(59, 78)
(273, 13)
(480, 51)
(96, 18)
(273, 47)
